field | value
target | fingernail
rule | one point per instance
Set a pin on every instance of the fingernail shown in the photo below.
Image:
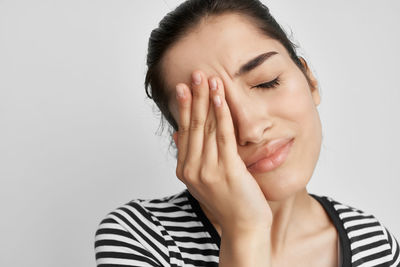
(196, 78)
(179, 92)
(213, 84)
(217, 100)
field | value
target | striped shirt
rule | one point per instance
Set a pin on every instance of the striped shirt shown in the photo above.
(174, 231)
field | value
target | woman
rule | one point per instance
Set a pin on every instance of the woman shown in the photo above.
(243, 107)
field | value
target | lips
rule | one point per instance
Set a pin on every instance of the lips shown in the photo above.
(268, 150)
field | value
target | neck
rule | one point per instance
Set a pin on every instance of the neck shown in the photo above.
(293, 218)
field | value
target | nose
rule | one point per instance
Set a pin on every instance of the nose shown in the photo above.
(250, 124)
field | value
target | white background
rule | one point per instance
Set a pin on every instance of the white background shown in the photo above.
(77, 135)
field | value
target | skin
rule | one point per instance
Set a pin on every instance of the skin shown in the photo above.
(301, 231)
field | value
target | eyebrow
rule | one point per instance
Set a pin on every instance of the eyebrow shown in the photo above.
(253, 63)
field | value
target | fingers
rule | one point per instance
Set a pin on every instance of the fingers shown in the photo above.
(210, 151)
(199, 111)
(206, 133)
(184, 99)
(225, 133)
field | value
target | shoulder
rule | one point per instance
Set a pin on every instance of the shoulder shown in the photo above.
(133, 231)
(362, 234)
(147, 210)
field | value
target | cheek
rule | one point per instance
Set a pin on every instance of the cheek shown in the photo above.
(305, 118)
(294, 98)
(299, 108)
(173, 108)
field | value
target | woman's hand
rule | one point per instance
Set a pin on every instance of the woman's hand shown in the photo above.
(208, 161)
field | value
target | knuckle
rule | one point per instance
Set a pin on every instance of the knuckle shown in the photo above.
(188, 173)
(230, 170)
(222, 138)
(210, 127)
(197, 92)
(205, 176)
(197, 123)
(183, 129)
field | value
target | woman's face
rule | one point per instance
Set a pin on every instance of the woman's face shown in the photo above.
(220, 47)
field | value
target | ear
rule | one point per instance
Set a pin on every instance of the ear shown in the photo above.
(175, 137)
(314, 90)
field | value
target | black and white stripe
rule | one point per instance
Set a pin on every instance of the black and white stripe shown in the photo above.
(173, 231)
(371, 243)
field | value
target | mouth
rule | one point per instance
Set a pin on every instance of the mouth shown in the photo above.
(272, 159)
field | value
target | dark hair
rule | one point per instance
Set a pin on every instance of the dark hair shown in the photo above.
(183, 19)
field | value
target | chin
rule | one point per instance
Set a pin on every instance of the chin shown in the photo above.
(282, 186)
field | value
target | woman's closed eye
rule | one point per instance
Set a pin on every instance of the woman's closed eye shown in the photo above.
(272, 84)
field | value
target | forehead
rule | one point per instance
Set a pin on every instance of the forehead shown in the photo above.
(217, 46)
